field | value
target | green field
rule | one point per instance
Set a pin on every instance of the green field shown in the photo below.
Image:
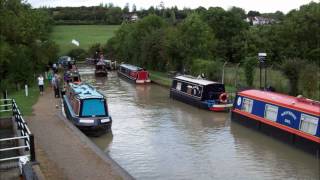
(85, 34)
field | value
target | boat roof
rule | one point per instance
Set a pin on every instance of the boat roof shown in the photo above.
(131, 67)
(195, 80)
(297, 103)
(101, 63)
(85, 91)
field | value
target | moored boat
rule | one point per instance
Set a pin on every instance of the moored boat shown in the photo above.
(294, 120)
(72, 75)
(133, 73)
(87, 109)
(101, 69)
(202, 93)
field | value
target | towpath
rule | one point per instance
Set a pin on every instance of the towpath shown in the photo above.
(63, 152)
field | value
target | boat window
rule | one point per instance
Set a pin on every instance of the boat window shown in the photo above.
(93, 107)
(271, 112)
(213, 91)
(247, 105)
(309, 124)
(178, 86)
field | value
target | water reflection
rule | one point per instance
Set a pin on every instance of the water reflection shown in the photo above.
(156, 137)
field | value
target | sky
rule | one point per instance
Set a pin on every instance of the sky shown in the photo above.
(262, 6)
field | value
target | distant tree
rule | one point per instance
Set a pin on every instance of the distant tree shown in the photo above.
(126, 8)
(197, 40)
(134, 8)
(238, 11)
(253, 13)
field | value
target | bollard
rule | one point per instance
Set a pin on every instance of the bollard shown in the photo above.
(26, 89)
(32, 150)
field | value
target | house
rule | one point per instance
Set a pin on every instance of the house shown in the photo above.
(259, 20)
(130, 17)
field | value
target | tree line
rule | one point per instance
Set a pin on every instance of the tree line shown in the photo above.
(109, 14)
(25, 47)
(208, 37)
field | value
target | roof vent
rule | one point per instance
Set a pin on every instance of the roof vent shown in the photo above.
(87, 92)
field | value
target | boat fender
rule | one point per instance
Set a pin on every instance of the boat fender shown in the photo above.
(223, 97)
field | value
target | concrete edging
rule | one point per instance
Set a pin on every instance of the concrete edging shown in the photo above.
(105, 157)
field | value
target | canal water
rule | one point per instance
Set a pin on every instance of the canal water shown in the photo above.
(155, 137)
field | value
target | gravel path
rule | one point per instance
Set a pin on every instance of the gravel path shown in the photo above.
(66, 153)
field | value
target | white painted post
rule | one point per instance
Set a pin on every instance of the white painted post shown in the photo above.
(26, 89)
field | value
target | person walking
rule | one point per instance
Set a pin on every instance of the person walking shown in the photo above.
(57, 85)
(50, 74)
(41, 83)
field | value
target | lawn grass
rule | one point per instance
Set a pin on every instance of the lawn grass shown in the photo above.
(160, 78)
(87, 35)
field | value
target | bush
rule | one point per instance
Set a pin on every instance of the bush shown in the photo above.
(309, 81)
(291, 68)
(78, 54)
(211, 69)
(250, 64)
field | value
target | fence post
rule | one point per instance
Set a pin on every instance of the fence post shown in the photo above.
(223, 71)
(32, 150)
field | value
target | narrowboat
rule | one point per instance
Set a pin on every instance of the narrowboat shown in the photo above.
(101, 69)
(133, 73)
(87, 109)
(72, 76)
(294, 120)
(202, 93)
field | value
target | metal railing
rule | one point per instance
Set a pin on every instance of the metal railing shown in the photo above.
(26, 138)
(5, 105)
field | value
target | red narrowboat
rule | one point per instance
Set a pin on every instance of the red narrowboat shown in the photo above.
(133, 73)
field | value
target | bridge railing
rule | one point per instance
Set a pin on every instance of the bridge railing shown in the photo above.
(24, 136)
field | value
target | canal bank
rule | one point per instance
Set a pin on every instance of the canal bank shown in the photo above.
(64, 152)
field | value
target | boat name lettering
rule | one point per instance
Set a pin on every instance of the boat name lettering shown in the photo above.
(290, 114)
(287, 121)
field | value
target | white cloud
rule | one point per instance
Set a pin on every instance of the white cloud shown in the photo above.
(258, 5)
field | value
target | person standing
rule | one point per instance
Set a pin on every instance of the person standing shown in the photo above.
(41, 83)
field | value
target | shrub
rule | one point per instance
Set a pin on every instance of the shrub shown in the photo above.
(250, 64)
(78, 54)
(210, 69)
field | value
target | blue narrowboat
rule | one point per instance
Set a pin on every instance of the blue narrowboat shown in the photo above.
(294, 120)
(87, 109)
(133, 73)
(202, 93)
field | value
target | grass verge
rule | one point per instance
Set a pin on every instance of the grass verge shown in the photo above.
(24, 102)
(160, 78)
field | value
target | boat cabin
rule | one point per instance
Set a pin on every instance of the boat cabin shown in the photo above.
(72, 76)
(101, 69)
(134, 73)
(292, 119)
(200, 92)
(87, 108)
